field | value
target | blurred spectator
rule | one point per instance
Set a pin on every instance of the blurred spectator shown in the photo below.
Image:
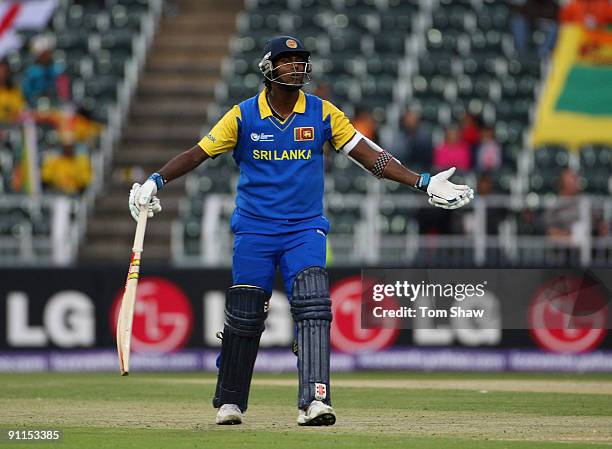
(601, 228)
(67, 173)
(11, 106)
(495, 215)
(593, 14)
(84, 127)
(411, 143)
(470, 129)
(601, 224)
(44, 78)
(528, 222)
(365, 123)
(128, 175)
(484, 185)
(529, 15)
(489, 152)
(452, 152)
(563, 221)
(11, 100)
(73, 126)
(324, 91)
(6, 162)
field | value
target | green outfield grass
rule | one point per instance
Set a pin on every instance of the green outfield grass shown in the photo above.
(375, 410)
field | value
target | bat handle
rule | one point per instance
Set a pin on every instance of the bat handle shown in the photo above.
(140, 229)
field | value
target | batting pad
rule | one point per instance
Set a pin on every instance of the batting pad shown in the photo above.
(246, 309)
(311, 309)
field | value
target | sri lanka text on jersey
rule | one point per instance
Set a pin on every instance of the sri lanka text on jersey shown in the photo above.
(280, 155)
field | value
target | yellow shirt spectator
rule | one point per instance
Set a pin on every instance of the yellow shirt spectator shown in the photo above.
(11, 104)
(67, 173)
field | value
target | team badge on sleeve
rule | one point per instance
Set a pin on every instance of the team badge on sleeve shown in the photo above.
(303, 133)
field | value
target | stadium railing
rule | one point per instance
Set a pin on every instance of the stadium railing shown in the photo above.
(377, 229)
(39, 231)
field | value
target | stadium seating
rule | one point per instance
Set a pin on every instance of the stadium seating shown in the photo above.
(94, 42)
(595, 169)
(444, 57)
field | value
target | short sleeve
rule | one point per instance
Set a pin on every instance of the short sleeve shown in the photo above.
(338, 128)
(224, 135)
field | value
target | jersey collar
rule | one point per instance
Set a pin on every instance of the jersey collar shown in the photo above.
(265, 111)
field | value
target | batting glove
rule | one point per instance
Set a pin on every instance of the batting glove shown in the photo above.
(443, 193)
(145, 194)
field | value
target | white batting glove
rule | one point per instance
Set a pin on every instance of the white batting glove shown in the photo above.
(445, 194)
(144, 194)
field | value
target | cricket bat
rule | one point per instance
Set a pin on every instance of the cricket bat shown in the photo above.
(126, 312)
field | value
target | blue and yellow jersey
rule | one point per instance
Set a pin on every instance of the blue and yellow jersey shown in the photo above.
(281, 162)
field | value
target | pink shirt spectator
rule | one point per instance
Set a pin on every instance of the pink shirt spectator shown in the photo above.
(489, 155)
(456, 154)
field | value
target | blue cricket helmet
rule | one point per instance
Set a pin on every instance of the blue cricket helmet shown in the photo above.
(278, 46)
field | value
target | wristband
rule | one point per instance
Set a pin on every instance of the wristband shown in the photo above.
(158, 180)
(423, 182)
(381, 163)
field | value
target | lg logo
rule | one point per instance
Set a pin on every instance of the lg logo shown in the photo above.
(568, 314)
(163, 318)
(68, 321)
(347, 334)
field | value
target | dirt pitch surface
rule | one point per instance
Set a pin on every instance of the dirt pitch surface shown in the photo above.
(374, 410)
(480, 385)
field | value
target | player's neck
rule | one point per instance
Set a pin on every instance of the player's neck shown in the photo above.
(282, 101)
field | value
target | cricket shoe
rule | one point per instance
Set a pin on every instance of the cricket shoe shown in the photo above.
(229, 414)
(317, 414)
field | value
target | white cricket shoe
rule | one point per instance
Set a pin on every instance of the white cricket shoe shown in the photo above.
(317, 414)
(229, 414)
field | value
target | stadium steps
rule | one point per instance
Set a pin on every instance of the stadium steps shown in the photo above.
(188, 132)
(194, 24)
(119, 249)
(158, 227)
(178, 91)
(155, 156)
(191, 119)
(192, 79)
(181, 42)
(168, 110)
(193, 53)
(166, 117)
(171, 63)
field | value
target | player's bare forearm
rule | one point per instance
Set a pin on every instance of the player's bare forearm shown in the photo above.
(183, 163)
(394, 171)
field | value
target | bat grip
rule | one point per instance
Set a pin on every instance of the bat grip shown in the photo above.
(140, 229)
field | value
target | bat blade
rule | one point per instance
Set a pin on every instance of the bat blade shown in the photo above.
(124, 325)
(128, 302)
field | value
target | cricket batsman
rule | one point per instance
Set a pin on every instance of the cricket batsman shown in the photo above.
(276, 139)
